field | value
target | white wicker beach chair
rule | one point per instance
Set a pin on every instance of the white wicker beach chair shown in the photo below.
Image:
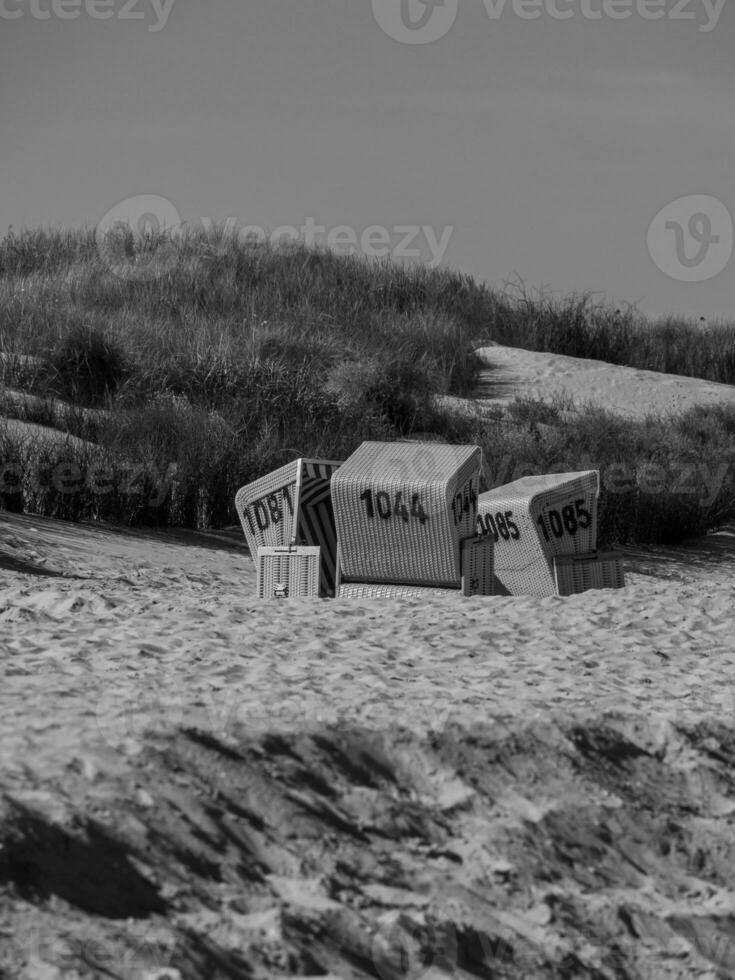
(535, 519)
(287, 573)
(267, 508)
(293, 505)
(405, 515)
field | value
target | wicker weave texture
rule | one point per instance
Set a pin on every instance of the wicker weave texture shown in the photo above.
(293, 503)
(291, 573)
(402, 509)
(477, 577)
(267, 508)
(578, 573)
(382, 590)
(477, 566)
(534, 519)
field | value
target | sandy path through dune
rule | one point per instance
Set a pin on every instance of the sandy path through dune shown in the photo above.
(511, 372)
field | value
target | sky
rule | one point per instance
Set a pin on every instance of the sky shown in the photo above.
(591, 154)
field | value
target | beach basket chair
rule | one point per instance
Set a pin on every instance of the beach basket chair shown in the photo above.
(405, 515)
(534, 520)
(293, 506)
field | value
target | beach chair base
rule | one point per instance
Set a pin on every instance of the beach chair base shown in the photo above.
(383, 590)
(596, 570)
(287, 573)
(477, 578)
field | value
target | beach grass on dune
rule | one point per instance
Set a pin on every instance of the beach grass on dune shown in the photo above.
(191, 365)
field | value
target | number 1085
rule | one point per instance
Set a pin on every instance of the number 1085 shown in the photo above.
(569, 520)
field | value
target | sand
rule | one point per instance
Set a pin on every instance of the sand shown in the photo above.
(44, 435)
(194, 783)
(92, 614)
(578, 383)
(144, 686)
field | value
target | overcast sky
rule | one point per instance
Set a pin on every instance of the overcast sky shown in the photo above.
(546, 146)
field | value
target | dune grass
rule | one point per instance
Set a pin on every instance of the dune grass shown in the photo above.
(192, 365)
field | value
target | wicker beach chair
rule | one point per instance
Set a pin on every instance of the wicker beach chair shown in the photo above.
(535, 519)
(405, 515)
(293, 506)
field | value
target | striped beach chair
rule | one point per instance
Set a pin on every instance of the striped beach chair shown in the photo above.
(315, 516)
(293, 506)
(405, 515)
(535, 519)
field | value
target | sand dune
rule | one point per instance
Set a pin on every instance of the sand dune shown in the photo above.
(31, 432)
(575, 381)
(59, 411)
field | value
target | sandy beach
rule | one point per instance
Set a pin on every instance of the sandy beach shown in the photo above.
(195, 783)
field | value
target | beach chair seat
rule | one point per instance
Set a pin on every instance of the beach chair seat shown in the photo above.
(476, 578)
(535, 519)
(596, 570)
(402, 511)
(287, 573)
(293, 505)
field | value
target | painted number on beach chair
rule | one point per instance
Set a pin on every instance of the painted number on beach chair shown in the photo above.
(386, 509)
(464, 502)
(268, 510)
(499, 525)
(569, 520)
